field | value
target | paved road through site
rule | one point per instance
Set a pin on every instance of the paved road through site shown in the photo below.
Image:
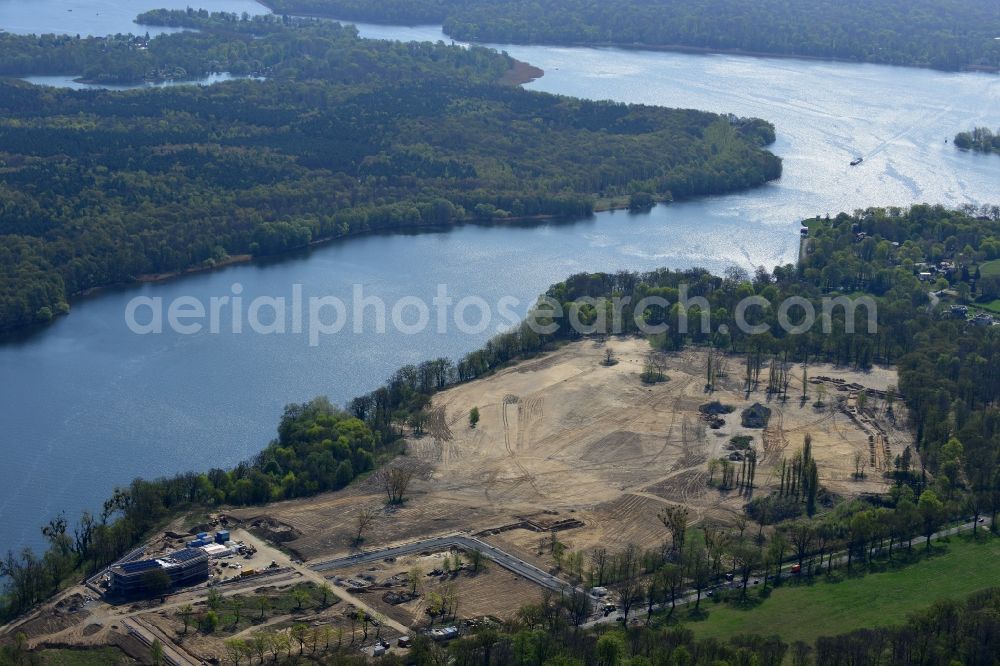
(504, 559)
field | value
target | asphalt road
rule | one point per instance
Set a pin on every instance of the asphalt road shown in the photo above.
(500, 557)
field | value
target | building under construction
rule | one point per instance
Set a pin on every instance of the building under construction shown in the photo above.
(139, 579)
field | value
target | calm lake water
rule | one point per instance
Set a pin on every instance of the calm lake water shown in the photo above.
(57, 81)
(86, 404)
(101, 17)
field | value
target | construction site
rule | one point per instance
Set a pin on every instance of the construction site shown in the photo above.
(572, 447)
(567, 443)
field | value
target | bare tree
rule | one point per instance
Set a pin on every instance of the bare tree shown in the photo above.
(741, 523)
(699, 570)
(716, 542)
(628, 586)
(859, 465)
(820, 396)
(609, 357)
(263, 603)
(713, 467)
(236, 606)
(367, 515)
(417, 421)
(477, 560)
(578, 606)
(414, 577)
(599, 565)
(654, 368)
(672, 581)
(185, 613)
(675, 519)
(394, 481)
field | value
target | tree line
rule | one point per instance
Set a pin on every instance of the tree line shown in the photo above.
(345, 136)
(952, 631)
(980, 139)
(941, 34)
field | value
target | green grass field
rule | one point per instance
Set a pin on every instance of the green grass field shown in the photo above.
(96, 657)
(990, 268)
(806, 612)
(992, 306)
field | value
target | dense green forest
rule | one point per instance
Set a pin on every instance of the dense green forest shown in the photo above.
(943, 34)
(980, 139)
(225, 46)
(345, 136)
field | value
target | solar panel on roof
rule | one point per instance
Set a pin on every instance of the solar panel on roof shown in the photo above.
(187, 554)
(142, 565)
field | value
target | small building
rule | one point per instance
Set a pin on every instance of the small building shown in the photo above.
(137, 579)
(216, 550)
(444, 634)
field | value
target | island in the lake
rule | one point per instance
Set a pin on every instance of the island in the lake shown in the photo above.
(980, 140)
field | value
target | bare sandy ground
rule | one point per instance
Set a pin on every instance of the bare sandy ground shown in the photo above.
(563, 436)
(492, 591)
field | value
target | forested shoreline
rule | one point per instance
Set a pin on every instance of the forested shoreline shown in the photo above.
(946, 376)
(949, 35)
(345, 136)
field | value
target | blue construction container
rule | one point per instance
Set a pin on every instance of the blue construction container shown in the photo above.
(197, 543)
(202, 535)
(222, 536)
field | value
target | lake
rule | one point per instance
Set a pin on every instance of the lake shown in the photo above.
(58, 81)
(86, 404)
(101, 17)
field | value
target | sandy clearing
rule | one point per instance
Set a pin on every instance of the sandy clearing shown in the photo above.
(564, 434)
